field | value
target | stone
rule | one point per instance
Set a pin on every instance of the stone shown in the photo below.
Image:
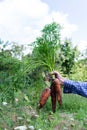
(31, 127)
(20, 128)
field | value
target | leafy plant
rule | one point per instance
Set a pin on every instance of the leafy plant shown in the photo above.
(45, 47)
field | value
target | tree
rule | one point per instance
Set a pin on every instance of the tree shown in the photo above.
(11, 68)
(68, 56)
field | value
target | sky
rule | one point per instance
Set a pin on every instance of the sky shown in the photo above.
(21, 21)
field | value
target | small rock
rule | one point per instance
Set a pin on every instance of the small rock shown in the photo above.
(20, 128)
(31, 127)
(33, 112)
(72, 119)
(34, 116)
(16, 99)
(20, 118)
(4, 103)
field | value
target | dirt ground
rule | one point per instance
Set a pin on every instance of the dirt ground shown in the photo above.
(69, 123)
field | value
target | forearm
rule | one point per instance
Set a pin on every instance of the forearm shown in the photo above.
(79, 88)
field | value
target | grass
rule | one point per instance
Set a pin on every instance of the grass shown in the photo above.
(74, 107)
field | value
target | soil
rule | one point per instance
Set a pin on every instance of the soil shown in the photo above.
(68, 122)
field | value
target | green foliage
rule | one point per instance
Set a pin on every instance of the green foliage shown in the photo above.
(51, 33)
(79, 72)
(68, 55)
(49, 54)
(44, 52)
(74, 109)
(21, 81)
(11, 79)
(73, 103)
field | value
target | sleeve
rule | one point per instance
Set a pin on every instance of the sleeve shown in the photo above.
(74, 87)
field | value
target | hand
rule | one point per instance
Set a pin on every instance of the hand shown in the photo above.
(58, 76)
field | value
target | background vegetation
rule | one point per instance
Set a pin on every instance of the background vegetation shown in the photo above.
(22, 80)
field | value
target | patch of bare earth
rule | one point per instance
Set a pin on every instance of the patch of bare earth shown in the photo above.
(68, 123)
